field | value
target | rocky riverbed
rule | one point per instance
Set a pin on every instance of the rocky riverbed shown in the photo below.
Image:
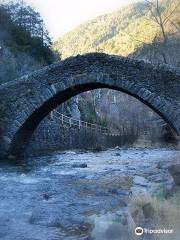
(78, 195)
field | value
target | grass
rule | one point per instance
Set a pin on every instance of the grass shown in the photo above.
(166, 214)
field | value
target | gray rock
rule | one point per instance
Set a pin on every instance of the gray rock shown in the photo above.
(79, 165)
(113, 191)
(98, 149)
(159, 165)
(174, 170)
(117, 148)
(117, 154)
(148, 210)
(141, 181)
(116, 232)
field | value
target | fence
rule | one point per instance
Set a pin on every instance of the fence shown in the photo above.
(71, 122)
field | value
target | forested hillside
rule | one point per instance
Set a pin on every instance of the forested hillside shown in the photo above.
(148, 30)
(24, 41)
(131, 31)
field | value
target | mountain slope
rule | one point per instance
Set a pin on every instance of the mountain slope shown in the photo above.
(123, 32)
(127, 32)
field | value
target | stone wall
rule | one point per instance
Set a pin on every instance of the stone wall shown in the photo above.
(51, 136)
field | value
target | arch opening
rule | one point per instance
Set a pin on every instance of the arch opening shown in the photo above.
(23, 135)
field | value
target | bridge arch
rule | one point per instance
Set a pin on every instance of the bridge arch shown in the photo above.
(29, 99)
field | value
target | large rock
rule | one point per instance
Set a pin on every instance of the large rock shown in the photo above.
(148, 210)
(174, 170)
(79, 165)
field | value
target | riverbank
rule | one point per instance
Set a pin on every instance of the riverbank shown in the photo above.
(75, 195)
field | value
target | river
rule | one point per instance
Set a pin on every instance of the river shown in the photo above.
(65, 195)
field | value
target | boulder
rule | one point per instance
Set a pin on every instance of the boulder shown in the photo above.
(98, 149)
(115, 232)
(148, 210)
(79, 165)
(141, 181)
(113, 191)
(117, 154)
(174, 170)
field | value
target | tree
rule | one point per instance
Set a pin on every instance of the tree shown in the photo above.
(161, 12)
(24, 41)
(28, 18)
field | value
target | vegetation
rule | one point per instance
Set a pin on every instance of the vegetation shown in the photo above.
(131, 31)
(24, 41)
(154, 213)
(148, 30)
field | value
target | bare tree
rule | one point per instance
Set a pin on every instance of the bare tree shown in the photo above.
(162, 17)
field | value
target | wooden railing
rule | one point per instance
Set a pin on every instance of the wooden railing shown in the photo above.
(71, 122)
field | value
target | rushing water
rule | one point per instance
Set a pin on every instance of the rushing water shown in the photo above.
(55, 197)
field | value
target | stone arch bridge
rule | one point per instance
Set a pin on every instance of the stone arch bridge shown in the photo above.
(24, 102)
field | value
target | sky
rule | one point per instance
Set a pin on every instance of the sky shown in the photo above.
(61, 16)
